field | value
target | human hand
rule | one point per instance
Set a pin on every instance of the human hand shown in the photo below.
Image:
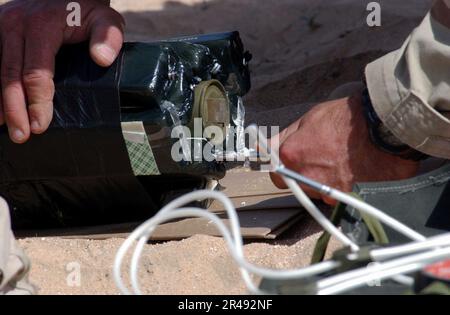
(331, 144)
(32, 31)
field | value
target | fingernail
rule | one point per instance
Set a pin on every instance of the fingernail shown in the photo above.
(35, 125)
(106, 52)
(18, 135)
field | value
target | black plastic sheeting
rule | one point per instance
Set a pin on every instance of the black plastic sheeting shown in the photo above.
(78, 172)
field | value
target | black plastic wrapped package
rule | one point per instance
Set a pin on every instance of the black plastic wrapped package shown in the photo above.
(81, 171)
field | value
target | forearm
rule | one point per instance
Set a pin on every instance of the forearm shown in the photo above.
(410, 87)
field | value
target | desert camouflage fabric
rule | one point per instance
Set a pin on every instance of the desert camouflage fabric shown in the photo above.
(410, 87)
(14, 265)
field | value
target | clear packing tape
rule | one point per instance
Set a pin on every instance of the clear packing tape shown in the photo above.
(349, 270)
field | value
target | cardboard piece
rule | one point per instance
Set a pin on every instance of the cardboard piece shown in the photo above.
(262, 224)
(253, 190)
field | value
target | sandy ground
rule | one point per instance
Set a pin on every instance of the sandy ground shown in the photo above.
(198, 265)
(303, 50)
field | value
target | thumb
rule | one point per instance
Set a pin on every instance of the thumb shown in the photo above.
(106, 34)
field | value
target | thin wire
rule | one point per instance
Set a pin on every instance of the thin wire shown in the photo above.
(430, 243)
(235, 245)
(352, 201)
(367, 278)
(241, 262)
(326, 224)
(422, 258)
(356, 278)
(148, 227)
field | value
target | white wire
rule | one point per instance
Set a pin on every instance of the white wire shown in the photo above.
(234, 244)
(422, 258)
(326, 224)
(201, 213)
(430, 243)
(367, 278)
(180, 213)
(148, 227)
(352, 279)
(403, 279)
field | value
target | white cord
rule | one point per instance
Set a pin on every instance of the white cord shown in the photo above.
(149, 226)
(356, 278)
(417, 258)
(242, 263)
(235, 245)
(367, 278)
(183, 213)
(430, 243)
(326, 224)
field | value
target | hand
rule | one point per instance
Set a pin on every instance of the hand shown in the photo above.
(331, 144)
(32, 31)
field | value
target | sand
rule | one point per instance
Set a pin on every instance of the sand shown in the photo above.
(303, 50)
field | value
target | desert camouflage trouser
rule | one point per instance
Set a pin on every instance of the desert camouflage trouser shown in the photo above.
(14, 265)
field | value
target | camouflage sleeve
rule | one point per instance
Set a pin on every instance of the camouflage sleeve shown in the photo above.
(410, 87)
